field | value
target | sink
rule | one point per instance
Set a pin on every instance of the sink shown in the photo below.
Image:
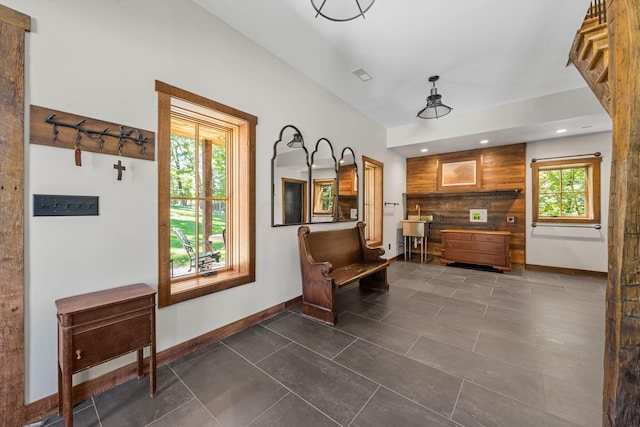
(414, 226)
(422, 218)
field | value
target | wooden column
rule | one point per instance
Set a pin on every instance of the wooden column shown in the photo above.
(12, 41)
(621, 395)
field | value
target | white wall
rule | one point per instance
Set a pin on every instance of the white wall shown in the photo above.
(577, 248)
(100, 59)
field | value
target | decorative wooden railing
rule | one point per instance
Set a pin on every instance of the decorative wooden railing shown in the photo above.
(590, 52)
(598, 9)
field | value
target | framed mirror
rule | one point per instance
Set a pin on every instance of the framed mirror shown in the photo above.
(323, 182)
(347, 205)
(290, 176)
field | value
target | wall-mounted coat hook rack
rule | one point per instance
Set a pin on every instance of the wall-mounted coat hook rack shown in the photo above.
(66, 130)
(391, 203)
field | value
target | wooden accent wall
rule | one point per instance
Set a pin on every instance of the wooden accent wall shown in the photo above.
(503, 172)
(621, 391)
(12, 42)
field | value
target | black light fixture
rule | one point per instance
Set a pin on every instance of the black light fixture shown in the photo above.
(296, 142)
(435, 108)
(339, 11)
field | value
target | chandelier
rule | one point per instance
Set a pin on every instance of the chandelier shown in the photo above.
(341, 11)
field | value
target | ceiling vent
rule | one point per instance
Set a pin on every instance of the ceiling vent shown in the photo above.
(362, 74)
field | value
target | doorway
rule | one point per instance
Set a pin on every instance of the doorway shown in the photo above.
(294, 201)
(372, 204)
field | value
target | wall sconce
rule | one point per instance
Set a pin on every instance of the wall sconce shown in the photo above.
(297, 141)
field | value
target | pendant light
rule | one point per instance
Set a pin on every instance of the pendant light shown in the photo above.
(435, 108)
(341, 11)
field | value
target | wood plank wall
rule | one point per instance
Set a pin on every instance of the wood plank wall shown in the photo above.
(503, 170)
(12, 83)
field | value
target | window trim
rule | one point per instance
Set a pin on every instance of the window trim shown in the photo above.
(244, 229)
(318, 184)
(593, 190)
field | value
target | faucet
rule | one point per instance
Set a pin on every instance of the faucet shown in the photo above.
(418, 208)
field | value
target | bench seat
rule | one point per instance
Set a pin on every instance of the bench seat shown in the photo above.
(350, 273)
(331, 259)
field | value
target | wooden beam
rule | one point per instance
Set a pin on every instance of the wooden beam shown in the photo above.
(12, 43)
(15, 18)
(621, 393)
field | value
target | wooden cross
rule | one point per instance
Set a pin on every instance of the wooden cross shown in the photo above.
(120, 169)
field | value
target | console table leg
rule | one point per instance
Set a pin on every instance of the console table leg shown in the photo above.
(67, 400)
(152, 356)
(140, 364)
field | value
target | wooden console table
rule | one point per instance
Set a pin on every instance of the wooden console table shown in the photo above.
(477, 247)
(99, 326)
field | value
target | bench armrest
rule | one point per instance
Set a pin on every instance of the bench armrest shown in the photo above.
(312, 270)
(370, 254)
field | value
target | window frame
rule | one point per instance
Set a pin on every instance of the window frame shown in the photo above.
(592, 190)
(318, 185)
(242, 221)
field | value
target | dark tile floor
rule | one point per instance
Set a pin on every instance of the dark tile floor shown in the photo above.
(445, 346)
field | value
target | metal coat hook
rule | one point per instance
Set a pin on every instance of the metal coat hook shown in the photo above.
(122, 137)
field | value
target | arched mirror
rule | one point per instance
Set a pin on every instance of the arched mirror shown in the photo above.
(323, 182)
(347, 206)
(290, 175)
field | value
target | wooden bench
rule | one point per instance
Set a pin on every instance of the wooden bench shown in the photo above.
(334, 258)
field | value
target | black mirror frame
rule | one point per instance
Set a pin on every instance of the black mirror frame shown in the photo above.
(311, 189)
(273, 160)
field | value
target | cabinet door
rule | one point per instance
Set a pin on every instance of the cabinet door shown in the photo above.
(106, 342)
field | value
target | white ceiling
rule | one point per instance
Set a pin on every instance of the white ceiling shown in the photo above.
(488, 53)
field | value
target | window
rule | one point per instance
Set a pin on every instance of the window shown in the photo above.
(566, 191)
(323, 196)
(206, 196)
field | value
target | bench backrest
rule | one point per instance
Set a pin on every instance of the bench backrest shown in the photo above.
(340, 247)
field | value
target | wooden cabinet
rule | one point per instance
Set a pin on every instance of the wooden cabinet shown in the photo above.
(347, 181)
(489, 248)
(99, 326)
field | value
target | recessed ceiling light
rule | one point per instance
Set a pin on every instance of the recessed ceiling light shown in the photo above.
(362, 74)
(561, 131)
(424, 150)
(484, 141)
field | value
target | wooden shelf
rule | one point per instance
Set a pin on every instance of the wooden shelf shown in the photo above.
(513, 192)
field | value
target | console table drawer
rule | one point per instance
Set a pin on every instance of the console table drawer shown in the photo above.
(87, 316)
(489, 238)
(475, 257)
(477, 246)
(466, 237)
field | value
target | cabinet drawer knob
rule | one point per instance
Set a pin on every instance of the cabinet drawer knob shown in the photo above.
(78, 354)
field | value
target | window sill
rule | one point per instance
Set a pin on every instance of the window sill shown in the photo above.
(566, 220)
(184, 290)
